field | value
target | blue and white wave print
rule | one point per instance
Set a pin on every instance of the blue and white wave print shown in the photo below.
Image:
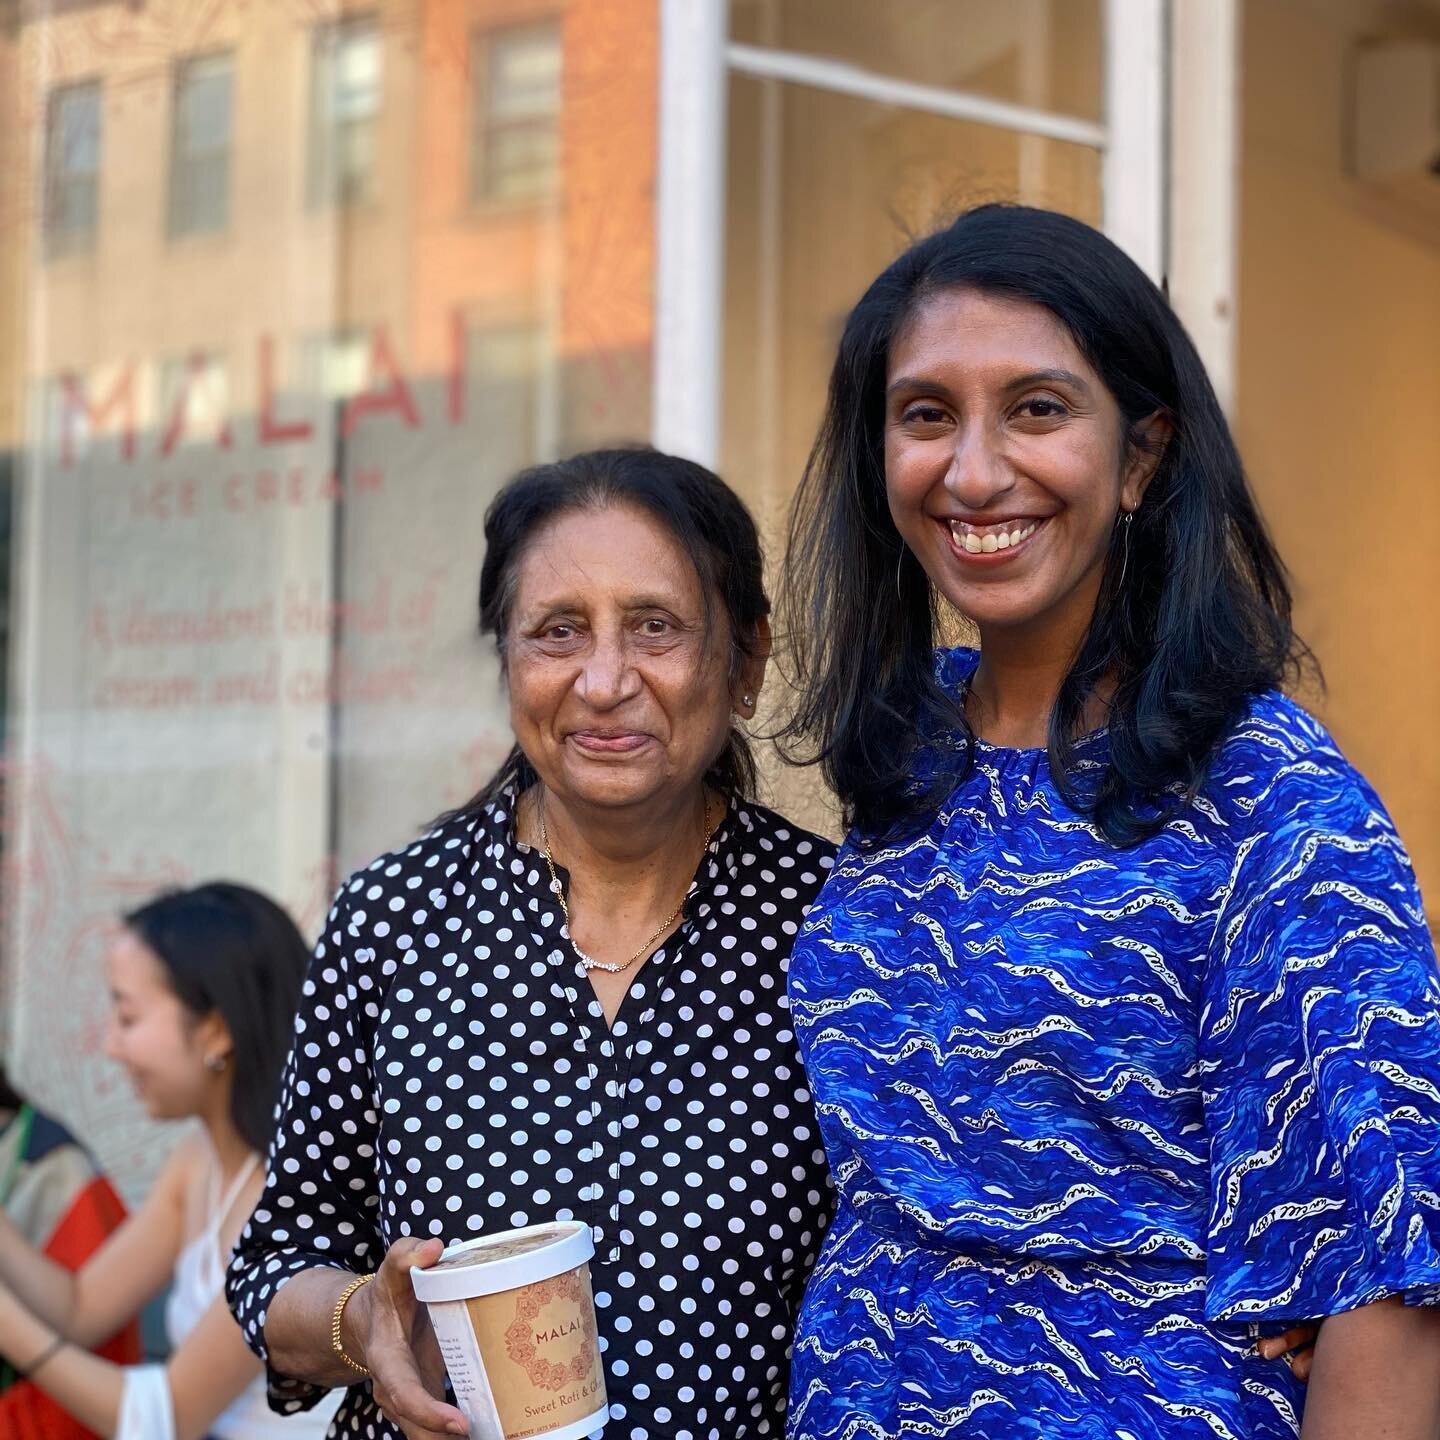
(1099, 1117)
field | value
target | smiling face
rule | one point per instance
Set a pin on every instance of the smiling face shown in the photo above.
(1005, 463)
(159, 1042)
(617, 695)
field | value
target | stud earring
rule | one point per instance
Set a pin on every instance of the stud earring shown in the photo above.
(216, 1064)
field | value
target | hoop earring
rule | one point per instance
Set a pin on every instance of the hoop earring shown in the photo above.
(1125, 551)
(899, 561)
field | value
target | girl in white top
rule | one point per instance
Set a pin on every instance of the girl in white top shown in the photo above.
(205, 985)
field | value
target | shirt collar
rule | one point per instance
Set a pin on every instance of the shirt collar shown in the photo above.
(491, 836)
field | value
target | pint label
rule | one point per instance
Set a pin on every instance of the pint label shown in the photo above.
(541, 1353)
(468, 1379)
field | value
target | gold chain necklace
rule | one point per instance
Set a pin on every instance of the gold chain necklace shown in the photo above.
(589, 961)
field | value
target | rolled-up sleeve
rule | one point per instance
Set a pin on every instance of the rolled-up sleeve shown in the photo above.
(320, 1203)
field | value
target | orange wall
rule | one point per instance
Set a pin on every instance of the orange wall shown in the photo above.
(1339, 404)
(501, 261)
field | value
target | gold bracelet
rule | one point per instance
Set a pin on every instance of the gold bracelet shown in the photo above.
(340, 1305)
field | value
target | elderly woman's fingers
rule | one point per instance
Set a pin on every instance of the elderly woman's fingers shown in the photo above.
(1301, 1361)
(410, 1398)
(407, 1254)
(401, 1352)
(1276, 1347)
(408, 1404)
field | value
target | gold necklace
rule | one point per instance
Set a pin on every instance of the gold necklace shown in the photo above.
(589, 961)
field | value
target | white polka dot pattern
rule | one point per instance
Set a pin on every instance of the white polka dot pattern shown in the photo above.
(453, 1074)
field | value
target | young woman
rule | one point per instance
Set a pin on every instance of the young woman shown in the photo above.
(205, 984)
(1119, 1008)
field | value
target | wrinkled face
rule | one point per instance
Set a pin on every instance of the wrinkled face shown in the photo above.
(617, 696)
(1005, 466)
(153, 1035)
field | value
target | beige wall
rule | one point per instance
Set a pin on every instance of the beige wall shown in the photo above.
(1339, 399)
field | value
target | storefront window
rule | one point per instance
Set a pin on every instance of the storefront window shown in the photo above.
(271, 342)
(288, 291)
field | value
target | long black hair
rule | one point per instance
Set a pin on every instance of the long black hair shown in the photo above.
(228, 950)
(704, 516)
(1200, 624)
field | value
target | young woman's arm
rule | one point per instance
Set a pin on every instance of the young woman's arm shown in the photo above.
(1377, 1374)
(205, 1374)
(133, 1265)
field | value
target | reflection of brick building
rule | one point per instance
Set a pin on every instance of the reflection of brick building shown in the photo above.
(395, 168)
(302, 284)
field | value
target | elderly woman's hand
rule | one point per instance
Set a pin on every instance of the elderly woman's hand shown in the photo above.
(1296, 1347)
(391, 1332)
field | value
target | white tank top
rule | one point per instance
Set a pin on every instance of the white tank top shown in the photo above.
(199, 1280)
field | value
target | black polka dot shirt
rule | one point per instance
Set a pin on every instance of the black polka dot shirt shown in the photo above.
(453, 1074)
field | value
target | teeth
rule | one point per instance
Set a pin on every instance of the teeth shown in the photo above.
(987, 541)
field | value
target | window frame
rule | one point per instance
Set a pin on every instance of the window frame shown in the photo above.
(181, 192)
(696, 62)
(484, 41)
(323, 147)
(65, 241)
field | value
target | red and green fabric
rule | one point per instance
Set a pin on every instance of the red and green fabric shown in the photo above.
(52, 1190)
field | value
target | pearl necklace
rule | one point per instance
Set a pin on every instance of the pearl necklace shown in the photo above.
(589, 961)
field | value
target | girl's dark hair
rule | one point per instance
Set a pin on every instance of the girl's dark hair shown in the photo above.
(227, 949)
(1200, 624)
(699, 510)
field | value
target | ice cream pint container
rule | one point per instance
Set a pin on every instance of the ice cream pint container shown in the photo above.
(515, 1319)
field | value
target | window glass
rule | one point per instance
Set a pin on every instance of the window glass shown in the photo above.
(1044, 54)
(517, 113)
(252, 429)
(823, 189)
(345, 105)
(72, 168)
(200, 151)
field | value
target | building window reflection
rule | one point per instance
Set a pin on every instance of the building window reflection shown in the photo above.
(200, 146)
(517, 113)
(344, 112)
(194, 401)
(72, 169)
(336, 365)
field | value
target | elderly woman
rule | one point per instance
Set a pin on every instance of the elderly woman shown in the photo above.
(568, 999)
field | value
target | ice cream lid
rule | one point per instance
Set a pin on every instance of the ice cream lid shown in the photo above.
(504, 1261)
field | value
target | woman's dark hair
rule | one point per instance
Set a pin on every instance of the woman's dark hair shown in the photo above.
(230, 951)
(705, 517)
(1200, 624)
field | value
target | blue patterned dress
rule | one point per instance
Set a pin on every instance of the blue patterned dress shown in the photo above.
(1098, 1117)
